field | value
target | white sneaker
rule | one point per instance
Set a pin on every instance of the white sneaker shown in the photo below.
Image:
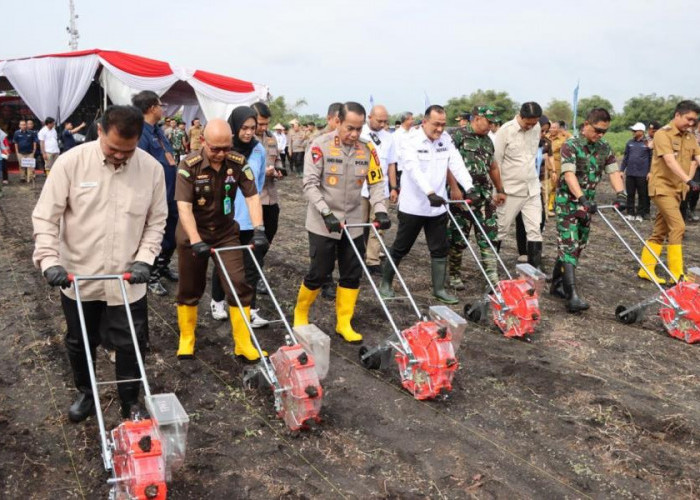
(629, 217)
(522, 258)
(257, 321)
(218, 310)
(638, 218)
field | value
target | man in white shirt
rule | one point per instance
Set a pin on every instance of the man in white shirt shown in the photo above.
(374, 132)
(427, 154)
(281, 138)
(515, 153)
(48, 141)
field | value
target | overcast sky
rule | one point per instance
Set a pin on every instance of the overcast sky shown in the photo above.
(330, 50)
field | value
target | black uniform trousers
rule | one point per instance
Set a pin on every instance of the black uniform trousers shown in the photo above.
(298, 162)
(251, 272)
(323, 252)
(109, 323)
(410, 226)
(193, 270)
(637, 186)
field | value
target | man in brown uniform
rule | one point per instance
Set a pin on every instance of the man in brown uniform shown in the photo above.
(206, 187)
(297, 141)
(274, 170)
(195, 134)
(557, 136)
(671, 176)
(335, 169)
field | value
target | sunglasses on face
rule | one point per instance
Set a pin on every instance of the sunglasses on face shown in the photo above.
(222, 149)
(598, 130)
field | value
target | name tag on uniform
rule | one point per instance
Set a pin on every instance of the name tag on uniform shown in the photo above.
(88, 184)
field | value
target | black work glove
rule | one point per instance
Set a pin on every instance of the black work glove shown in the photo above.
(57, 276)
(472, 197)
(259, 241)
(332, 223)
(588, 206)
(140, 273)
(201, 249)
(694, 185)
(382, 220)
(621, 200)
(436, 200)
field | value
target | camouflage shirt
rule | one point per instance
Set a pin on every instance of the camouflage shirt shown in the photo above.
(177, 139)
(477, 153)
(588, 160)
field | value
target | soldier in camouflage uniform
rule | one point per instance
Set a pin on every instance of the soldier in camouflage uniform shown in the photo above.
(475, 146)
(583, 161)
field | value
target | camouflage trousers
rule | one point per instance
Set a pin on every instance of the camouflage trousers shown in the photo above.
(573, 228)
(485, 213)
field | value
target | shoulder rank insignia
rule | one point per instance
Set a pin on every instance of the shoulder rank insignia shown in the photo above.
(235, 157)
(183, 172)
(193, 160)
(248, 172)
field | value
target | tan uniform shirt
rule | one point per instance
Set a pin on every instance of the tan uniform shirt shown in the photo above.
(297, 141)
(684, 147)
(557, 142)
(515, 151)
(93, 218)
(333, 177)
(268, 195)
(195, 138)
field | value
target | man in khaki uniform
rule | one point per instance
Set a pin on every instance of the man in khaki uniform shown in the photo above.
(274, 170)
(297, 141)
(195, 134)
(557, 136)
(335, 169)
(671, 176)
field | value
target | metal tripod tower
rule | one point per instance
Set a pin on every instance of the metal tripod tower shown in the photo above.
(72, 28)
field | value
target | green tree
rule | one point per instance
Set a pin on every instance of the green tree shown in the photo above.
(646, 108)
(501, 101)
(559, 109)
(282, 112)
(586, 104)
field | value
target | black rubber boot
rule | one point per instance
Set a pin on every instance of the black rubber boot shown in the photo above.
(386, 288)
(163, 261)
(534, 254)
(438, 271)
(574, 303)
(82, 408)
(557, 288)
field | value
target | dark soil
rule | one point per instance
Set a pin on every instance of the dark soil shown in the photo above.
(591, 409)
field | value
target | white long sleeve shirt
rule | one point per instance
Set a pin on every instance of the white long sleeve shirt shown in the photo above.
(425, 165)
(281, 141)
(384, 144)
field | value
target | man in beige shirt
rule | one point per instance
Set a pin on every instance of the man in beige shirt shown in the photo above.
(102, 211)
(195, 135)
(515, 152)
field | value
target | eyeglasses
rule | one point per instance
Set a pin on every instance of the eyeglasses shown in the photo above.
(222, 149)
(601, 131)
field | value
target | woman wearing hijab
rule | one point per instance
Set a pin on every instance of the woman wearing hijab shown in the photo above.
(243, 121)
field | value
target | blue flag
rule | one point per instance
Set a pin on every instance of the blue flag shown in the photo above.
(575, 108)
(371, 101)
(426, 100)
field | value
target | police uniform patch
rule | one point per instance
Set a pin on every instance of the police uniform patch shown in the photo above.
(336, 142)
(235, 157)
(332, 180)
(229, 171)
(334, 151)
(316, 154)
(248, 172)
(374, 173)
(183, 173)
(194, 160)
(201, 201)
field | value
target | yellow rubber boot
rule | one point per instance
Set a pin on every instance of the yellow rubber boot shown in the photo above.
(650, 260)
(305, 298)
(345, 300)
(243, 346)
(675, 261)
(187, 321)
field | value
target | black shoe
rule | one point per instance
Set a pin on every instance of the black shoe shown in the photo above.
(328, 291)
(157, 288)
(82, 408)
(557, 288)
(375, 270)
(574, 302)
(169, 274)
(260, 288)
(131, 411)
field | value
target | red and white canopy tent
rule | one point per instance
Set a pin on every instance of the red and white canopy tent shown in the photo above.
(54, 84)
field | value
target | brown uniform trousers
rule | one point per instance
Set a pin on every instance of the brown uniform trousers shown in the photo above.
(667, 189)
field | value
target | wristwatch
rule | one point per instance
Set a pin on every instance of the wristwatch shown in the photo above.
(259, 228)
(326, 212)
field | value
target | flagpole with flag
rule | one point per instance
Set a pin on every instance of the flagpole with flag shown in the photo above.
(426, 100)
(575, 108)
(371, 101)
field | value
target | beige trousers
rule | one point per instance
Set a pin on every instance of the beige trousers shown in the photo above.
(530, 206)
(373, 246)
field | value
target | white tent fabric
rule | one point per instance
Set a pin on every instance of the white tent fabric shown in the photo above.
(120, 85)
(189, 113)
(52, 86)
